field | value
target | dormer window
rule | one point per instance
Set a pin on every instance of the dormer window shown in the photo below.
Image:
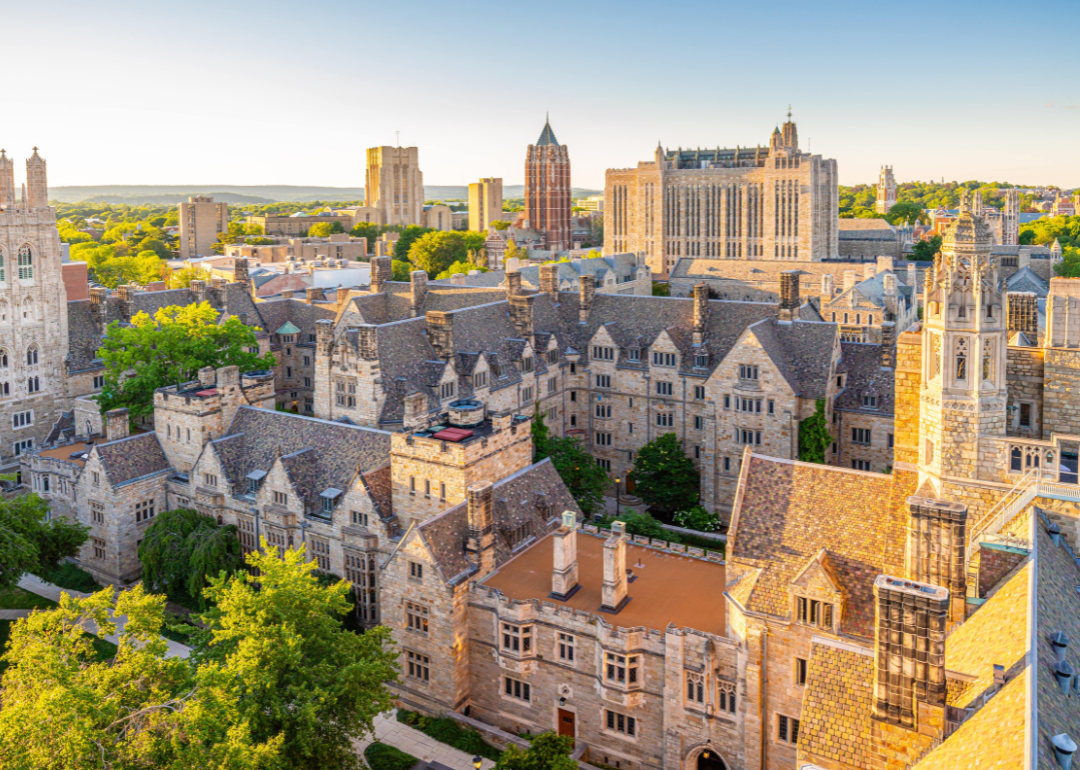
(527, 364)
(869, 402)
(814, 612)
(701, 361)
(748, 372)
(553, 356)
(634, 355)
(600, 353)
(329, 499)
(663, 359)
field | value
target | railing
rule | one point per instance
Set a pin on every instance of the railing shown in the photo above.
(1014, 501)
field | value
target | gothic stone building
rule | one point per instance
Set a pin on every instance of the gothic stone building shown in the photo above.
(762, 203)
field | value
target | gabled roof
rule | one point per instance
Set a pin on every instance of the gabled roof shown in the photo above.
(861, 362)
(128, 459)
(1026, 279)
(801, 351)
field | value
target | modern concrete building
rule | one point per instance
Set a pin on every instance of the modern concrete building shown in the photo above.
(485, 203)
(200, 222)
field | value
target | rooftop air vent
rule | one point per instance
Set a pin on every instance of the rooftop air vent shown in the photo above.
(1064, 747)
(1059, 643)
(1054, 530)
(1063, 673)
(466, 413)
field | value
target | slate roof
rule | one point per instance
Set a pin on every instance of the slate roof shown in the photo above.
(873, 289)
(786, 512)
(1026, 279)
(836, 721)
(317, 454)
(861, 362)
(801, 351)
(866, 230)
(132, 458)
(535, 495)
(302, 317)
(547, 136)
(570, 272)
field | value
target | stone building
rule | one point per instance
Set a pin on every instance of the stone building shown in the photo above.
(547, 190)
(200, 222)
(863, 308)
(485, 203)
(439, 217)
(761, 203)
(868, 239)
(886, 191)
(395, 185)
(614, 274)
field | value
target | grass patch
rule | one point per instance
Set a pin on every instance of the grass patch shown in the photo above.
(103, 648)
(70, 576)
(702, 542)
(16, 598)
(452, 733)
(379, 756)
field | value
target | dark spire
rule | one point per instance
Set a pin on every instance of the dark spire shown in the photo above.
(547, 136)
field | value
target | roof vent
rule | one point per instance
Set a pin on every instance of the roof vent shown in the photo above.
(999, 675)
(1063, 673)
(1054, 530)
(1059, 643)
(1064, 747)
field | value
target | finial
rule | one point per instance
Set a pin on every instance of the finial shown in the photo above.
(789, 113)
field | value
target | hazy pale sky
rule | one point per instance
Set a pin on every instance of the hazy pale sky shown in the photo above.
(272, 92)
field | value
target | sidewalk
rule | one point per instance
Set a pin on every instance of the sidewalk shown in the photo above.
(410, 740)
(36, 585)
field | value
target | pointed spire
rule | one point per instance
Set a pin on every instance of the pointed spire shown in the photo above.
(547, 136)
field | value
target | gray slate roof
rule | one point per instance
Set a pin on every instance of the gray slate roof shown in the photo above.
(132, 458)
(861, 362)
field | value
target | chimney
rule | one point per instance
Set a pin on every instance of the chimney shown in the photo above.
(324, 336)
(701, 311)
(198, 288)
(99, 298)
(1022, 314)
(481, 541)
(912, 276)
(586, 291)
(217, 288)
(287, 294)
(909, 650)
(1023, 258)
(440, 332)
(367, 340)
(826, 288)
(116, 424)
(207, 377)
(314, 294)
(549, 279)
(613, 592)
(381, 272)
(458, 279)
(868, 271)
(936, 553)
(521, 313)
(890, 298)
(240, 273)
(418, 282)
(126, 294)
(884, 264)
(888, 345)
(564, 576)
(849, 279)
(513, 283)
(789, 296)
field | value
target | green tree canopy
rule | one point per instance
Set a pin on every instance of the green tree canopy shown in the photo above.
(460, 267)
(169, 349)
(181, 549)
(366, 230)
(500, 224)
(664, 476)
(182, 278)
(436, 251)
(154, 245)
(547, 751)
(143, 268)
(399, 270)
(31, 543)
(408, 236)
(926, 251)
(814, 436)
(904, 212)
(586, 480)
(325, 229)
(1069, 267)
(661, 289)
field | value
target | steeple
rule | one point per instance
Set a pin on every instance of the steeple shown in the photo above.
(7, 181)
(37, 187)
(547, 136)
(791, 134)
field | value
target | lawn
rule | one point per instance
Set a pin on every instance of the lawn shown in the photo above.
(17, 599)
(70, 576)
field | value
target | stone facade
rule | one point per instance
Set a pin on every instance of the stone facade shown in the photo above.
(200, 222)
(763, 203)
(395, 185)
(886, 191)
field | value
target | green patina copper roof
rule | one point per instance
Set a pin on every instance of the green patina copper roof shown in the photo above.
(288, 328)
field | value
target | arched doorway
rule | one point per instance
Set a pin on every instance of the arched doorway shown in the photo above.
(712, 762)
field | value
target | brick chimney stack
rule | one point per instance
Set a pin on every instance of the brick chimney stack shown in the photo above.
(888, 345)
(521, 313)
(789, 295)
(481, 541)
(117, 425)
(586, 292)
(549, 280)
(936, 552)
(418, 282)
(701, 311)
(440, 333)
(513, 283)
(368, 341)
(99, 300)
(381, 272)
(564, 576)
(826, 288)
(849, 279)
(613, 592)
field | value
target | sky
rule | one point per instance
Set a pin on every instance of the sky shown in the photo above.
(271, 92)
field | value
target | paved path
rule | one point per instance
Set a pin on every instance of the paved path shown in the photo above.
(36, 585)
(14, 614)
(410, 740)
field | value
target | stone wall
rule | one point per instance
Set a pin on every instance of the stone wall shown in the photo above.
(906, 401)
(1025, 382)
(1061, 395)
(995, 562)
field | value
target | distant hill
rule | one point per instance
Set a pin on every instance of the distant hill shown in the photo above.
(256, 194)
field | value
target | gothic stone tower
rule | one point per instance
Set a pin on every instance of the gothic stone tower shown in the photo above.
(886, 191)
(33, 311)
(547, 189)
(395, 185)
(1010, 218)
(963, 354)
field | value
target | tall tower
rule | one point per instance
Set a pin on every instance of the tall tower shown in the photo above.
(7, 181)
(395, 185)
(886, 191)
(963, 351)
(547, 189)
(485, 203)
(37, 187)
(1010, 218)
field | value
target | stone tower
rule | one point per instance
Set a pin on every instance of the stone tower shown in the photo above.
(547, 189)
(886, 191)
(1010, 218)
(963, 352)
(33, 311)
(395, 185)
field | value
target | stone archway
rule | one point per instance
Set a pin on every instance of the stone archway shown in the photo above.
(696, 759)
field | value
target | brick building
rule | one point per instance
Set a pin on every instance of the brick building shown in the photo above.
(762, 203)
(547, 191)
(200, 222)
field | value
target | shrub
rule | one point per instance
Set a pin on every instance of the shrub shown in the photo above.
(70, 576)
(379, 756)
(639, 524)
(452, 733)
(697, 518)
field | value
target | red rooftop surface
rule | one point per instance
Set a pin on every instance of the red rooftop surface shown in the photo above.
(453, 434)
(210, 392)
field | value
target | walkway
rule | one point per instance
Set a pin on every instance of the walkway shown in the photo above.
(410, 740)
(36, 585)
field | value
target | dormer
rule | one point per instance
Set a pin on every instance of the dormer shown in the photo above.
(816, 594)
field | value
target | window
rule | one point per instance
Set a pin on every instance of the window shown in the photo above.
(727, 701)
(699, 392)
(22, 419)
(359, 518)
(747, 404)
(446, 390)
(787, 729)
(553, 356)
(97, 513)
(621, 669)
(603, 411)
(800, 671)
(665, 419)
(328, 504)
(566, 648)
(603, 354)
(307, 360)
(699, 422)
(209, 479)
(860, 435)
(144, 511)
(99, 381)
(320, 552)
(603, 380)
(442, 490)
(727, 402)
(727, 465)
(416, 570)
(416, 617)
(890, 441)
(479, 380)
(928, 450)
(664, 389)
(663, 359)
(961, 358)
(573, 395)
(869, 402)
(526, 395)
(860, 465)
(99, 548)
(26, 263)
(517, 639)
(1025, 415)
(280, 498)
(417, 666)
(634, 354)
(95, 477)
(307, 382)
(812, 612)
(748, 372)
(552, 385)
(622, 724)
(701, 361)
(603, 439)
(518, 690)
(695, 687)
(987, 365)
(345, 393)
(21, 447)
(745, 436)
(412, 485)
(288, 371)
(603, 463)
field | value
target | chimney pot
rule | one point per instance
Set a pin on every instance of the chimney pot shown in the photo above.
(564, 576)
(613, 590)
(586, 291)
(789, 295)
(1059, 643)
(1064, 748)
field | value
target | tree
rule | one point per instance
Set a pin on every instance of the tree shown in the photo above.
(814, 436)
(1069, 267)
(513, 251)
(154, 245)
(435, 251)
(661, 289)
(325, 229)
(586, 480)
(904, 211)
(547, 751)
(366, 230)
(299, 675)
(399, 271)
(664, 476)
(30, 541)
(138, 710)
(637, 524)
(169, 349)
(182, 278)
(143, 268)
(500, 224)
(460, 267)
(181, 549)
(71, 234)
(406, 239)
(925, 251)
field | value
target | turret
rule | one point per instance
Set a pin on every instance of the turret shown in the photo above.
(7, 181)
(37, 187)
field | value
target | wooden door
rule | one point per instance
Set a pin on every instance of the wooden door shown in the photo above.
(566, 723)
(630, 483)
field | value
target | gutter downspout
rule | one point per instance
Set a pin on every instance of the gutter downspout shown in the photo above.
(764, 694)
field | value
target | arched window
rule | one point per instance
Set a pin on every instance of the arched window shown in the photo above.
(32, 356)
(858, 318)
(28, 310)
(961, 358)
(870, 319)
(3, 274)
(89, 429)
(987, 360)
(26, 263)
(1016, 460)
(3, 359)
